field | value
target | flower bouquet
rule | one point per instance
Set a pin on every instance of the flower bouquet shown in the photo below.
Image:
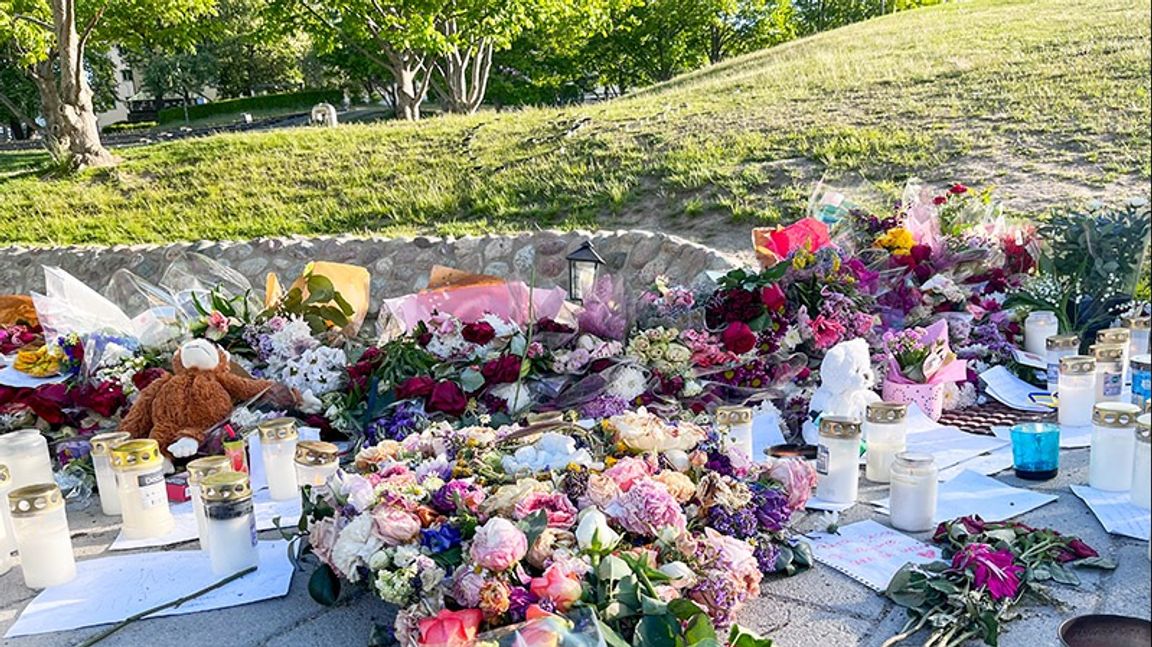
(654, 528)
(990, 567)
(920, 363)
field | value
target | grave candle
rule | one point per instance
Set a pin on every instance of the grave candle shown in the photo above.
(7, 539)
(1036, 450)
(143, 494)
(198, 470)
(1109, 372)
(1110, 461)
(1141, 492)
(1121, 337)
(1141, 366)
(227, 501)
(1140, 330)
(1038, 327)
(42, 535)
(885, 428)
(738, 423)
(837, 459)
(1059, 347)
(25, 452)
(278, 447)
(1077, 390)
(912, 504)
(316, 460)
(102, 465)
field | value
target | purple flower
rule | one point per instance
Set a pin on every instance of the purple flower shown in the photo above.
(994, 570)
(767, 554)
(405, 419)
(772, 509)
(720, 463)
(519, 599)
(447, 498)
(741, 523)
(604, 406)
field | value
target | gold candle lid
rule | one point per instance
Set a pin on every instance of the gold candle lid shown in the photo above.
(202, 468)
(1144, 428)
(1078, 365)
(1109, 352)
(1115, 414)
(1113, 336)
(1140, 322)
(1062, 342)
(128, 455)
(226, 486)
(101, 443)
(733, 415)
(839, 427)
(316, 452)
(886, 413)
(31, 500)
(277, 430)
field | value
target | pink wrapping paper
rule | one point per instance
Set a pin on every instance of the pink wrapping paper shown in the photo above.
(469, 303)
(955, 370)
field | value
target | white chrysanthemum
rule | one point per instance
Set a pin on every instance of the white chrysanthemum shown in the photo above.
(791, 339)
(502, 327)
(354, 547)
(628, 383)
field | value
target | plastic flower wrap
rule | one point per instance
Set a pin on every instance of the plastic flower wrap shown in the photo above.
(777, 244)
(922, 356)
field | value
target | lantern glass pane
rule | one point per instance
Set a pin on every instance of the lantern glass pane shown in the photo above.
(585, 276)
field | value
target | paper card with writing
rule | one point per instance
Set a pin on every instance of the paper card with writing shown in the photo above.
(870, 553)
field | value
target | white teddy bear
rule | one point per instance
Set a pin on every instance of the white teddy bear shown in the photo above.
(846, 381)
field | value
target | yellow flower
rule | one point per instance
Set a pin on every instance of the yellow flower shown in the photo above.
(899, 241)
(801, 259)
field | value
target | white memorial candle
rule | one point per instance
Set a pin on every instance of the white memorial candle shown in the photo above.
(42, 535)
(1141, 493)
(838, 459)
(1110, 461)
(1059, 347)
(198, 470)
(316, 460)
(1140, 330)
(1109, 375)
(105, 476)
(912, 504)
(1077, 390)
(1122, 338)
(885, 429)
(227, 501)
(143, 492)
(1038, 327)
(25, 452)
(736, 423)
(278, 448)
(7, 538)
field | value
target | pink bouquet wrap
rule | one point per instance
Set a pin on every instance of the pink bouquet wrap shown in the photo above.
(773, 245)
(940, 368)
(929, 397)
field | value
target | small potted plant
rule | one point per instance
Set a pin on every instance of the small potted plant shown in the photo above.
(919, 364)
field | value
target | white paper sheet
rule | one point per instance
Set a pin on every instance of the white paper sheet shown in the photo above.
(948, 445)
(870, 553)
(9, 376)
(185, 528)
(816, 503)
(1116, 513)
(973, 493)
(1002, 385)
(1030, 359)
(110, 589)
(988, 464)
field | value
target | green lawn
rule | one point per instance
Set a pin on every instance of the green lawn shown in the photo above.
(1047, 99)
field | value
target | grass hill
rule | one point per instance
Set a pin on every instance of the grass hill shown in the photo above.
(1045, 99)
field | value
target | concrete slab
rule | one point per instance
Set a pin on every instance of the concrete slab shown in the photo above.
(820, 608)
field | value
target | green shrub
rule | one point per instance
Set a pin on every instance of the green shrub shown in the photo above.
(303, 100)
(128, 126)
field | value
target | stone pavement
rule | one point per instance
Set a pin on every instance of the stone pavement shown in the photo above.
(818, 608)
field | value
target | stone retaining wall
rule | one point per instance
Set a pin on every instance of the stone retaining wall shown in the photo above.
(398, 265)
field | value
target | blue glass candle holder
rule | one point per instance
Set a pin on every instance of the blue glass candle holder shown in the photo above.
(1036, 450)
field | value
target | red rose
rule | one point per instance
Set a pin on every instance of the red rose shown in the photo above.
(105, 399)
(920, 253)
(503, 370)
(48, 403)
(142, 379)
(738, 337)
(773, 297)
(415, 387)
(448, 398)
(939, 200)
(957, 189)
(480, 332)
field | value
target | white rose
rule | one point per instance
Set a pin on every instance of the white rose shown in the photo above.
(593, 534)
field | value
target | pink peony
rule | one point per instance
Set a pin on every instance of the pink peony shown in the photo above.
(395, 526)
(561, 513)
(995, 570)
(736, 558)
(498, 545)
(627, 470)
(798, 478)
(647, 508)
(601, 491)
(557, 585)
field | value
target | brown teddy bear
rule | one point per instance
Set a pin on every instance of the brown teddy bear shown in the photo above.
(178, 410)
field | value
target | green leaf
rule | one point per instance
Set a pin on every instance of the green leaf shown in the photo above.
(320, 289)
(537, 523)
(657, 631)
(450, 558)
(611, 638)
(650, 606)
(683, 608)
(699, 630)
(1063, 574)
(324, 586)
(741, 637)
(612, 568)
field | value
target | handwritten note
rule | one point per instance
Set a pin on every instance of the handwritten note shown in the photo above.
(870, 553)
(110, 589)
(1116, 513)
(973, 493)
(1012, 391)
(185, 530)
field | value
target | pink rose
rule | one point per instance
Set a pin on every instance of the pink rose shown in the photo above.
(798, 478)
(601, 491)
(562, 588)
(560, 511)
(451, 628)
(628, 470)
(775, 245)
(773, 297)
(395, 526)
(322, 536)
(498, 545)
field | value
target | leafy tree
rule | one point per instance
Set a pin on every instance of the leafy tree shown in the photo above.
(253, 52)
(742, 26)
(185, 74)
(51, 38)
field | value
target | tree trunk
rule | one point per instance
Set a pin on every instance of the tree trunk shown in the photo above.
(464, 75)
(412, 77)
(66, 98)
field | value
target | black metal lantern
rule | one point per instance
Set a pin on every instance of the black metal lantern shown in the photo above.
(583, 266)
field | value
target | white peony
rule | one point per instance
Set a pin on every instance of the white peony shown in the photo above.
(354, 547)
